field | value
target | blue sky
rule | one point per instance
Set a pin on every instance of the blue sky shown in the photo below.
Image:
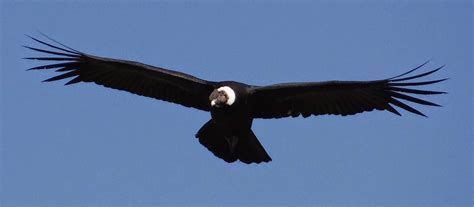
(85, 145)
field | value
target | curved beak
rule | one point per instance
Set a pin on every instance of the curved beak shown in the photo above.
(217, 98)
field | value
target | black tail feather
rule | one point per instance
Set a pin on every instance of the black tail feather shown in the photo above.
(247, 148)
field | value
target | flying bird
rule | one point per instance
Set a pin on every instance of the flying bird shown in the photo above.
(234, 105)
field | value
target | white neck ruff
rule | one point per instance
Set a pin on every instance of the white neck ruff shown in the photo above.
(230, 94)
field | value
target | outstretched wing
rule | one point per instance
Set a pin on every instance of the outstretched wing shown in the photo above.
(340, 97)
(134, 77)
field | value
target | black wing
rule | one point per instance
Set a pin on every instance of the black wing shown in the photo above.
(134, 77)
(340, 97)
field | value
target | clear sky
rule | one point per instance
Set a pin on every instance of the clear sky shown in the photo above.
(85, 145)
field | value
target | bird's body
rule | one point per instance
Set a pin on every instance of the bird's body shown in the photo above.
(233, 106)
(228, 134)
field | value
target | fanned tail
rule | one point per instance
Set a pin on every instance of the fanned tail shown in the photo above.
(243, 146)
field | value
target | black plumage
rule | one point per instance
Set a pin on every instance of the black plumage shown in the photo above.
(234, 105)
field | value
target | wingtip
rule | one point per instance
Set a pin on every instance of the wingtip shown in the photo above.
(73, 81)
(64, 47)
(390, 108)
(441, 80)
(57, 42)
(415, 76)
(29, 36)
(420, 113)
(398, 114)
(410, 71)
(28, 47)
(441, 92)
(33, 68)
(32, 58)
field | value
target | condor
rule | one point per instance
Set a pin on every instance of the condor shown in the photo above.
(233, 105)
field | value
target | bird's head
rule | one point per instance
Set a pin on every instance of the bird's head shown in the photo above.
(223, 96)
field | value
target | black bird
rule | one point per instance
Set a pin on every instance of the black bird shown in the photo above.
(234, 105)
